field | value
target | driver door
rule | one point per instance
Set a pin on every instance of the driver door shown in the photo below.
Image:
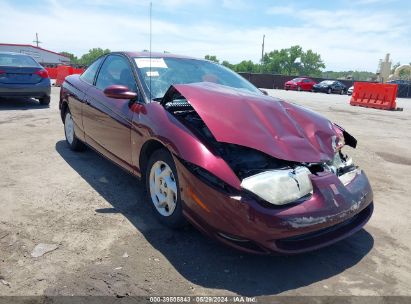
(107, 121)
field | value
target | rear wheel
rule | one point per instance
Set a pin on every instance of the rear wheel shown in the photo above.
(163, 189)
(299, 88)
(71, 138)
(342, 92)
(45, 100)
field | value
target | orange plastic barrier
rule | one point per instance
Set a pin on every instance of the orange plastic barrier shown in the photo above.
(374, 95)
(63, 71)
(52, 72)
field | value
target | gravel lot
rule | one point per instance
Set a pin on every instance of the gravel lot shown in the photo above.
(110, 244)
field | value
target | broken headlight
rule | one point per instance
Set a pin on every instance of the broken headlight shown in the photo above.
(280, 187)
(338, 141)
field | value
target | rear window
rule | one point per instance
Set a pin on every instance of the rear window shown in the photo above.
(16, 60)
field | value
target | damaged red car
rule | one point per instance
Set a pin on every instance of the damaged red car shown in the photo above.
(254, 172)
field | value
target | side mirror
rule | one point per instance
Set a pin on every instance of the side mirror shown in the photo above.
(119, 92)
(264, 92)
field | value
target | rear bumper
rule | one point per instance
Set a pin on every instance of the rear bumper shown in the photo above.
(38, 90)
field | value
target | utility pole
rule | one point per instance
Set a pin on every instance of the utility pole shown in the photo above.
(37, 40)
(262, 50)
(262, 53)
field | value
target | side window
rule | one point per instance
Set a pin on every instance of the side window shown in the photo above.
(90, 73)
(116, 70)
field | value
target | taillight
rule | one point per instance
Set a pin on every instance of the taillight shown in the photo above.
(42, 74)
(2, 72)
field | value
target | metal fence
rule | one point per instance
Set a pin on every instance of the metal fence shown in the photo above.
(274, 81)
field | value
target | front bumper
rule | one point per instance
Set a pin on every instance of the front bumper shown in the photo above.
(290, 87)
(38, 90)
(333, 212)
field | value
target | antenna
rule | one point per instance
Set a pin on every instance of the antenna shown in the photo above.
(151, 8)
(37, 40)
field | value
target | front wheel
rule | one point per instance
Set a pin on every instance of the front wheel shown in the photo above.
(342, 92)
(299, 89)
(44, 101)
(74, 143)
(329, 91)
(163, 189)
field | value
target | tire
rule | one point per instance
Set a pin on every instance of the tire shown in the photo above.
(74, 143)
(163, 190)
(329, 91)
(44, 101)
(299, 89)
(342, 92)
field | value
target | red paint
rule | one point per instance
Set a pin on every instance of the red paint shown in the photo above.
(273, 126)
(301, 84)
(119, 129)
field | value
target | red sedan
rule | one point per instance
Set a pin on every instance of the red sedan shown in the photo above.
(300, 84)
(252, 171)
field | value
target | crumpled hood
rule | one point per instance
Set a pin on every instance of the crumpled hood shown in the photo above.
(273, 126)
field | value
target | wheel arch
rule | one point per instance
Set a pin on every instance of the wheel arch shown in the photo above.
(63, 109)
(148, 148)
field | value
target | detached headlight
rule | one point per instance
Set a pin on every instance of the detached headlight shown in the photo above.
(280, 187)
(338, 141)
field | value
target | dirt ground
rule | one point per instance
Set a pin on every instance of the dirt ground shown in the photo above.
(110, 244)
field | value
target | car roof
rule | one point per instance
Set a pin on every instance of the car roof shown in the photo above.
(13, 53)
(157, 54)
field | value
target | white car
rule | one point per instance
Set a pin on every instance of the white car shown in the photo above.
(349, 91)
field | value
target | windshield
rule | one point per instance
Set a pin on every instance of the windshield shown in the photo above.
(169, 71)
(16, 60)
(297, 79)
(326, 82)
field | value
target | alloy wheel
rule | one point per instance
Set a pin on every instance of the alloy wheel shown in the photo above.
(69, 128)
(163, 188)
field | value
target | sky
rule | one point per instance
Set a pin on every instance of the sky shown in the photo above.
(349, 35)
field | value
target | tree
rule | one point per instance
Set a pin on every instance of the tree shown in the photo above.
(73, 59)
(290, 61)
(274, 62)
(354, 75)
(394, 67)
(92, 55)
(228, 65)
(311, 64)
(212, 58)
(291, 65)
(293, 61)
(246, 66)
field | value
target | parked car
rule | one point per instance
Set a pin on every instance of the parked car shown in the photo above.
(22, 76)
(350, 89)
(330, 86)
(252, 171)
(399, 81)
(300, 84)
